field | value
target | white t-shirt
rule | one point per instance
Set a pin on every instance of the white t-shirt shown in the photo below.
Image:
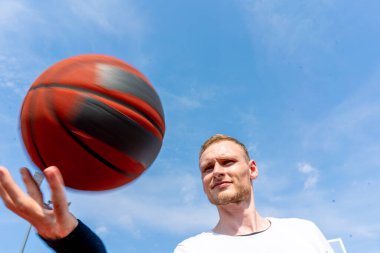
(283, 236)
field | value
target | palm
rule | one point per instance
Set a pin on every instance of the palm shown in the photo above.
(52, 223)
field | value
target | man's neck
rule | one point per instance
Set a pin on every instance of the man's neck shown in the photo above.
(240, 219)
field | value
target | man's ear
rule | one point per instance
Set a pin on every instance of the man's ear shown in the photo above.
(253, 171)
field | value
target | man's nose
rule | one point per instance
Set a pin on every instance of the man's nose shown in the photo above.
(219, 170)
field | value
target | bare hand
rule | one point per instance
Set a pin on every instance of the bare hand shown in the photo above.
(50, 224)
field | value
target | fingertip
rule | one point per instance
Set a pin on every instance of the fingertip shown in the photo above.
(53, 173)
(3, 171)
(50, 168)
(24, 171)
(26, 174)
(50, 171)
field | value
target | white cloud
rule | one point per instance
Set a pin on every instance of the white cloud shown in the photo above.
(305, 168)
(102, 230)
(312, 175)
(311, 181)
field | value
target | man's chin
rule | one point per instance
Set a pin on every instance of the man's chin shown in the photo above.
(225, 198)
(229, 197)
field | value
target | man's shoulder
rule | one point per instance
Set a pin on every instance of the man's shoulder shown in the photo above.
(291, 222)
(194, 243)
(198, 238)
(296, 226)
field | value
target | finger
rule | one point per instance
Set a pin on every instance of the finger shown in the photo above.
(10, 190)
(4, 195)
(32, 187)
(6, 199)
(58, 196)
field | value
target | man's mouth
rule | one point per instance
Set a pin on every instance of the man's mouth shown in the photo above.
(221, 184)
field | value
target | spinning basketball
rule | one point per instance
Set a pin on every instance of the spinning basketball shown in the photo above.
(95, 117)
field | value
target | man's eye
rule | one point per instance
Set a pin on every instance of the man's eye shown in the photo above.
(207, 169)
(228, 162)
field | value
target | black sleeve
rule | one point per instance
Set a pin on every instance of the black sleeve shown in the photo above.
(81, 240)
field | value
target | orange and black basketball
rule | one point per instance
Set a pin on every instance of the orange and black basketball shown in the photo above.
(95, 117)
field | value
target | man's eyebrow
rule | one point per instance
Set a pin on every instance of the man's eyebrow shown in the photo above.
(227, 157)
(205, 164)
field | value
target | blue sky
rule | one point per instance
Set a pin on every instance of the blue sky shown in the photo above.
(297, 81)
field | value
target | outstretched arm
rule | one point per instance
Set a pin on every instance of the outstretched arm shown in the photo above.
(58, 227)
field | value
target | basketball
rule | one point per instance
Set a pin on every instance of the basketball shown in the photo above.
(96, 118)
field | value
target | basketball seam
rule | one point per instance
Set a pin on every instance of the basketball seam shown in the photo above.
(85, 147)
(53, 85)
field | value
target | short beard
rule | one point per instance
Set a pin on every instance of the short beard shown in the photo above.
(224, 198)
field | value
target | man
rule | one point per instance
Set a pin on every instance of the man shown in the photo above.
(227, 176)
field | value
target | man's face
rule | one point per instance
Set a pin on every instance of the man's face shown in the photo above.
(227, 173)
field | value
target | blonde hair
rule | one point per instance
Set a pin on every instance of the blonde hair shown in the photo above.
(222, 137)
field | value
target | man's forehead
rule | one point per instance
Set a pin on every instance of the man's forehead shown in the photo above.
(220, 149)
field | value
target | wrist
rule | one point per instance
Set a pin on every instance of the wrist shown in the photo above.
(54, 232)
